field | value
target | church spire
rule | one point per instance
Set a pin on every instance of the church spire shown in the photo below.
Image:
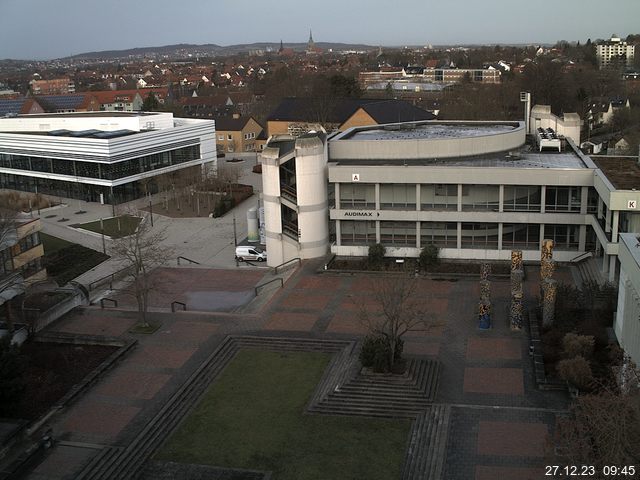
(310, 43)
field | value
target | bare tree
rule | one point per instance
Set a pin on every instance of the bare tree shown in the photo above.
(141, 253)
(603, 428)
(401, 312)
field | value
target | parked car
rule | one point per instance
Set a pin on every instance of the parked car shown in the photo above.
(248, 252)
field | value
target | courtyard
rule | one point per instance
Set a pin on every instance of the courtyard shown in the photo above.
(249, 410)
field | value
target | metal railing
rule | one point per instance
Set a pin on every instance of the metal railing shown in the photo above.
(173, 306)
(257, 287)
(187, 259)
(581, 257)
(110, 278)
(297, 259)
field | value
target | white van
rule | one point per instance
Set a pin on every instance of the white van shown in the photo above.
(248, 252)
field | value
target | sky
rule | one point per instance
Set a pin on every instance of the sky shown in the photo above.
(46, 29)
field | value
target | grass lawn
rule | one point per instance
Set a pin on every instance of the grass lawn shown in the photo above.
(52, 244)
(253, 417)
(65, 260)
(115, 227)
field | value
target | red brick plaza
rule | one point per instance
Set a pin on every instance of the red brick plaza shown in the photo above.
(500, 423)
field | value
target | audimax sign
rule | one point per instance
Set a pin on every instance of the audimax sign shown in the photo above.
(360, 213)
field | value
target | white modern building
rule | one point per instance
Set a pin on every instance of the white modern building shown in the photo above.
(476, 190)
(615, 51)
(102, 156)
(627, 321)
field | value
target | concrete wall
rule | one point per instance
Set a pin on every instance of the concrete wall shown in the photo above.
(568, 125)
(402, 148)
(626, 325)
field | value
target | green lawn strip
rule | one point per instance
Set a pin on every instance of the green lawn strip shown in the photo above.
(127, 224)
(65, 261)
(252, 417)
(52, 244)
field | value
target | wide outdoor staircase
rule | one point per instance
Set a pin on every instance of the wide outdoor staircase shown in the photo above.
(351, 392)
(343, 390)
(590, 271)
(425, 457)
(123, 463)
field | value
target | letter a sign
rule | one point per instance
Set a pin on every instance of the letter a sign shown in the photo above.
(355, 177)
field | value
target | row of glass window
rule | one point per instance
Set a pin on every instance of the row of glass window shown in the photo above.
(474, 197)
(445, 234)
(104, 171)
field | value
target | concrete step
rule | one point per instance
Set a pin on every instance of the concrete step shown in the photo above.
(425, 456)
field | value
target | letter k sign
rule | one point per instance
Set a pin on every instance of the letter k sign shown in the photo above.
(632, 204)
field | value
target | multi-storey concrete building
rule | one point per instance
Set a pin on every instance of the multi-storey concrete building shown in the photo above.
(615, 52)
(476, 190)
(102, 156)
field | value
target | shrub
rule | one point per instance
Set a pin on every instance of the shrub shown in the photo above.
(576, 371)
(375, 353)
(428, 255)
(377, 252)
(574, 345)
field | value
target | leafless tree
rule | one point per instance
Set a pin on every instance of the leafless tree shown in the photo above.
(402, 311)
(603, 428)
(141, 253)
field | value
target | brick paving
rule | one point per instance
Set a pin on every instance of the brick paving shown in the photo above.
(499, 419)
(496, 381)
(512, 438)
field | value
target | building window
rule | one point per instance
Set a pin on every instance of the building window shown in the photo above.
(522, 198)
(480, 197)
(562, 199)
(221, 137)
(398, 196)
(520, 236)
(439, 197)
(353, 232)
(357, 196)
(398, 234)
(480, 235)
(443, 235)
(565, 237)
(230, 136)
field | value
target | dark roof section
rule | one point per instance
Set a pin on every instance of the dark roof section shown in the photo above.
(230, 124)
(11, 107)
(54, 103)
(622, 172)
(338, 110)
(396, 111)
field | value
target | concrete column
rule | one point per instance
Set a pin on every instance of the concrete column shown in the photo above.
(377, 194)
(607, 221)
(541, 236)
(459, 197)
(377, 230)
(459, 235)
(418, 242)
(418, 189)
(500, 236)
(600, 204)
(582, 238)
(613, 260)
(614, 227)
(337, 195)
(338, 233)
(605, 262)
(584, 199)
(543, 198)
(501, 198)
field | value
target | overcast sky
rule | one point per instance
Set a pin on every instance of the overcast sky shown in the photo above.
(44, 29)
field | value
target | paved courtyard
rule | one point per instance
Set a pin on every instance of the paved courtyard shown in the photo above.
(500, 422)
